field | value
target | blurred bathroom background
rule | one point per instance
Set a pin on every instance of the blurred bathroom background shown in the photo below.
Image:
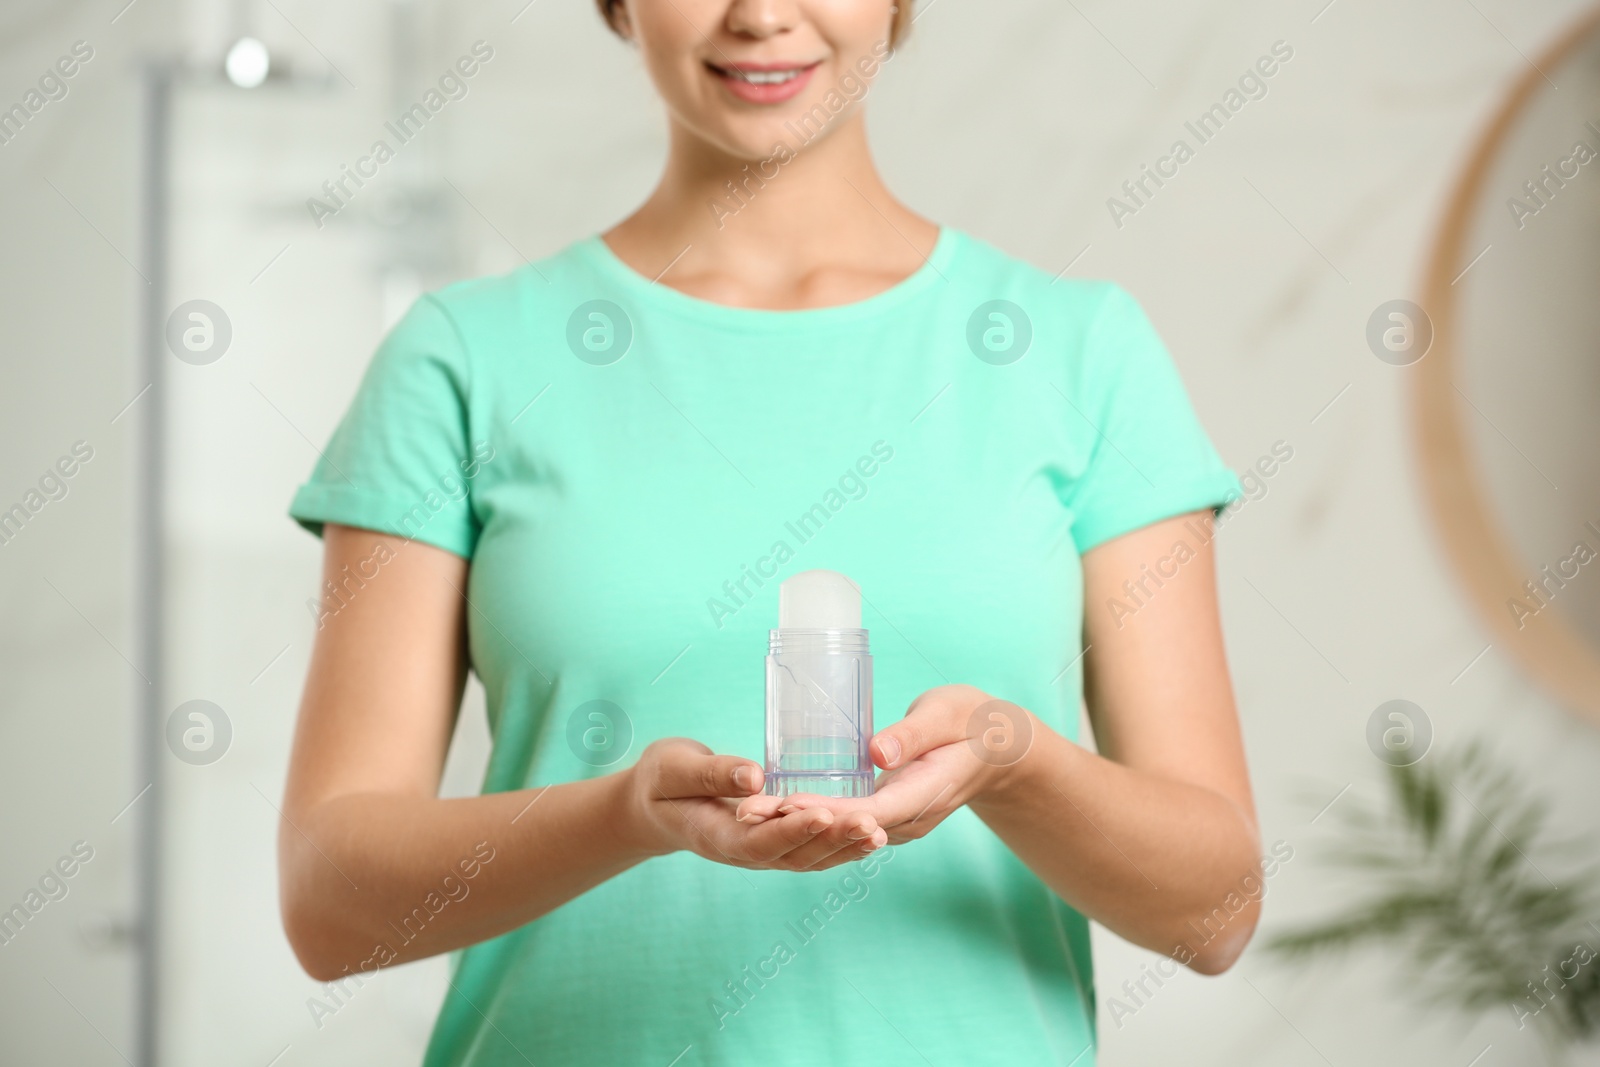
(174, 165)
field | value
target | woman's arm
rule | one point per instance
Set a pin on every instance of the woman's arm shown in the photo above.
(375, 868)
(1155, 837)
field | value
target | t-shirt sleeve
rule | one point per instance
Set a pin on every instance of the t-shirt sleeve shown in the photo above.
(1150, 459)
(400, 457)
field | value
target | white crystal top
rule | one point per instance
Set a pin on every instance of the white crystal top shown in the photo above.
(819, 600)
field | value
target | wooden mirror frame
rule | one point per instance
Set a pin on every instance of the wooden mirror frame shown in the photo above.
(1547, 647)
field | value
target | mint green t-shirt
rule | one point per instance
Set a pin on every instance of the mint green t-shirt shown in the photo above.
(632, 472)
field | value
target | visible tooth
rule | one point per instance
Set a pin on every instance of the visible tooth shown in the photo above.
(767, 77)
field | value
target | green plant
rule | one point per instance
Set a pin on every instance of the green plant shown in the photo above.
(1453, 870)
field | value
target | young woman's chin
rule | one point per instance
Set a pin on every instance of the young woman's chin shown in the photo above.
(769, 143)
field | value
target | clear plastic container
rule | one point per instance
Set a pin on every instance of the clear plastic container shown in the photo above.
(819, 713)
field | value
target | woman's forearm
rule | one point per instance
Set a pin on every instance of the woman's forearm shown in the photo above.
(373, 879)
(1165, 864)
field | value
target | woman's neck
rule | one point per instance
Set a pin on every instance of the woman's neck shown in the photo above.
(807, 228)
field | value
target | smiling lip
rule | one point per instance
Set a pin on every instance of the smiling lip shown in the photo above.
(764, 83)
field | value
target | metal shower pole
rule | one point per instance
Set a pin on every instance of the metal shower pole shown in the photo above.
(149, 481)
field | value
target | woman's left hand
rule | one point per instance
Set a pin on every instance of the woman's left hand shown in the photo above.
(956, 744)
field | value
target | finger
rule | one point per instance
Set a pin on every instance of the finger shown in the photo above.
(927, 725)
(903, 795)
(854, 834)
(777, 837)
(947, 715)
(844, 856)
(685, 772)
(759, 808)
(772, 807)
(827, 851)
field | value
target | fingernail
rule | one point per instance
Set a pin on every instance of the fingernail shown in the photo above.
(788, 809)
(818, 825)
(861, 833)
(744, 777)
(869, 846)
(890, 749)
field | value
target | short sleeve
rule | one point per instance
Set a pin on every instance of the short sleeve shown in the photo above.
(1150, 458)
(400, 460)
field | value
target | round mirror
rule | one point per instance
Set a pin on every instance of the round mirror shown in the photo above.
(1508, 396)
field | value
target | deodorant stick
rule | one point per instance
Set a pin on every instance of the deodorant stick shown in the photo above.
(819, 690)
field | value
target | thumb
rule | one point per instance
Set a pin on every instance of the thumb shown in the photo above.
(934, 719)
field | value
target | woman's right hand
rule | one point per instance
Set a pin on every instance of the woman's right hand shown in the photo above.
(682, 796)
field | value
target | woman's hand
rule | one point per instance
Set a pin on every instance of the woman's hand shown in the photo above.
(680, 796)
(1151, 833)
(955, 745)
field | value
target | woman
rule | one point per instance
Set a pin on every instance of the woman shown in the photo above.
(584, 480)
